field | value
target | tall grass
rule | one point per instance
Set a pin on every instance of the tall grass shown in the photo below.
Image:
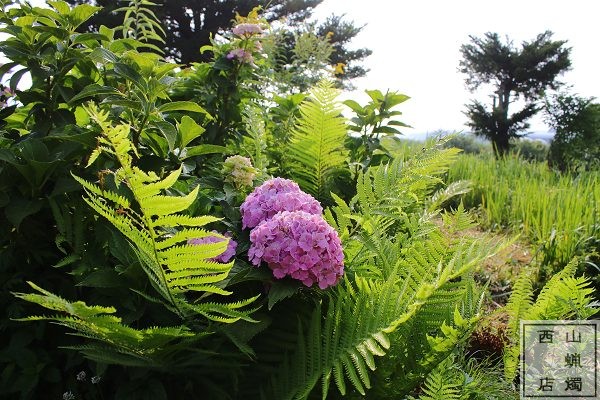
(558, 213)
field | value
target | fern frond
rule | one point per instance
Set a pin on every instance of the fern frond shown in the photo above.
(316, 148)
(117, 342)
(159, 234)
(140, 23)
(443, 383)
(342, 342)
(452, 190)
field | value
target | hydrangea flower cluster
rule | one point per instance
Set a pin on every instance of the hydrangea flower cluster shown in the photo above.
(247, 29)
(273, 196)
(290, 234)
(300, 245)
(225, 256)
(239, 171)
(241, 55)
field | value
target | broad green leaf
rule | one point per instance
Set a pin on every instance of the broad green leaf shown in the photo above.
(103, 278)
(5, 68)
(202, 149)
(82, 13)
(84, 37)
(102, 55)
(94, 90)
(168, 131)
(16, 77)
(387, 130)
(60, 6)
(188, 131)
(17, 211)
(130, 74)
(109, 33)
(281, 290)
(183, 106)
(354, 106)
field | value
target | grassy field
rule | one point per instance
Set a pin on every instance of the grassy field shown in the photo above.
(559, 214)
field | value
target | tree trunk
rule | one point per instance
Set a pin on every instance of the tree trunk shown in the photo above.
(501, 145)
(502, 135)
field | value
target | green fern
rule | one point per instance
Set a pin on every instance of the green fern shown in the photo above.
(316, 149)
(371, 310)
(443, 383)
(254, 143)
(140, 23)
(113, 342)
(343, 345)
(564, 296)
(159, 233)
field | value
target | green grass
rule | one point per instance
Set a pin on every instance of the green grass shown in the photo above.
(558, 213)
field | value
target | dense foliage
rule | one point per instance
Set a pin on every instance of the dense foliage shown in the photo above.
(199, 234)
(576, 122)
(189, 25)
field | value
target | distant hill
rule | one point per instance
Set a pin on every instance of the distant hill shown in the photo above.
(544, 136)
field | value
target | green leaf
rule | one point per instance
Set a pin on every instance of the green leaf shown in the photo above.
(130, 74)
(84, 37)
(95, 90)
(82, 13)
(354, 106)
(183, 106)
(282, 289)
(103, 278)
(60, 6)
(7, 67)
(188, 130)
(102, 55)
(17, 211)
(202, 149)
(168, 131)
(387, 130)
(16, 77)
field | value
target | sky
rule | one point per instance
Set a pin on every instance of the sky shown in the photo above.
(416, 49)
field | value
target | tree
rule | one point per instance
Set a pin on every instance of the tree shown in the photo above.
(576, 122)
(190, 24)
(515, 73)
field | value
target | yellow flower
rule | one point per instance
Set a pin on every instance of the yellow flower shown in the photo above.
(252, 18)
(339, 69)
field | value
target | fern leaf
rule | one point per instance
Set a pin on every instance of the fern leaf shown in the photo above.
(316, 146)
(158, 233)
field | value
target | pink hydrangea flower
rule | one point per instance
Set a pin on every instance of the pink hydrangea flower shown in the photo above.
(223, 257)
(273, 196)
(247, 29)
(241, 55)
(300, 245)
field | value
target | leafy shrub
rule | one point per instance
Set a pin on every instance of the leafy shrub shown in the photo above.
(576, 143)
(469, 144)
(530, 150)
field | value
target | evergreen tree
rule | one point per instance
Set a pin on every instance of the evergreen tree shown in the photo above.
(515, 73)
